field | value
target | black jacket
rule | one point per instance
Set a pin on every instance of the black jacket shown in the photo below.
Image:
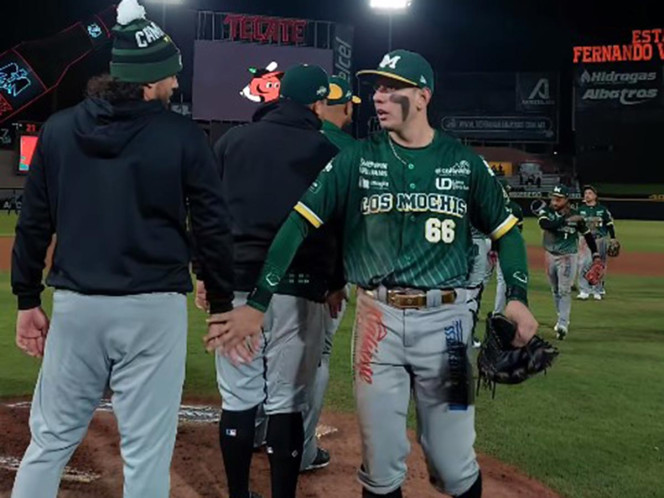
(113, 184)
(266, 166)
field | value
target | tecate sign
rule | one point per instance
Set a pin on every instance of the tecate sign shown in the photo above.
(614, 77)
(626, 96)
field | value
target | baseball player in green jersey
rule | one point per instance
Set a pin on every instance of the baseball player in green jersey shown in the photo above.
(339, 112)
(600, 222)
(562, 225)
(406, 197)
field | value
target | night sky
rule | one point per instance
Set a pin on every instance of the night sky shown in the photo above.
(455, 35)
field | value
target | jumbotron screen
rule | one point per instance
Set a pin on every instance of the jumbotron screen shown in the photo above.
(231, 79)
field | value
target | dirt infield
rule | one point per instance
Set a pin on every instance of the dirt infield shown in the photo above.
(640, 264)
(647, 264)
(197, 469)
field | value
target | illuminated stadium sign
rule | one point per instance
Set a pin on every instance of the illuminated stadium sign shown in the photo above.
(646, 45)
(262, 29)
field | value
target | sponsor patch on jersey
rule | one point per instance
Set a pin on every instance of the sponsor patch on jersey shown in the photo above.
(457, 169)
(449, 184)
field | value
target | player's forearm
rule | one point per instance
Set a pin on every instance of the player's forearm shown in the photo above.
(514, 264)
(547, 224)
(590, 240)
(282, 251)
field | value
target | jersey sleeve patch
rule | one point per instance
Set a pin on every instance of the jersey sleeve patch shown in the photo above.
(504, 227)
(308, 215)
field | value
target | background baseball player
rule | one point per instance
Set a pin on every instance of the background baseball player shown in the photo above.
(112, 178)
(265, 167)
(600, 222)
(338, 115)
(407, 197)
(561, 225)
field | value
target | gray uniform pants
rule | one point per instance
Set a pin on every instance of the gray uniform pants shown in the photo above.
(136, 345)
(312, 415)
(585, 260)
(560, 272)
(282, 372)
(501, 289)
(399, 352)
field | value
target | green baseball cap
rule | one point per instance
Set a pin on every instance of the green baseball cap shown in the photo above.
(341, 92)
(305, 84)
(406, 66)
(589, 187)
(560, 191)
(142, 52)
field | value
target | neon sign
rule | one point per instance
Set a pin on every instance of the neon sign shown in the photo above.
(14, 79)
(646, 45)
(265, 29)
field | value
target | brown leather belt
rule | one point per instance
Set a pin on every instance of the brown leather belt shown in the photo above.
(404, 298)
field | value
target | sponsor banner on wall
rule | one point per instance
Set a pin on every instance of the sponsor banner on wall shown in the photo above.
(536, 92)
(527, 128)
(618, 86)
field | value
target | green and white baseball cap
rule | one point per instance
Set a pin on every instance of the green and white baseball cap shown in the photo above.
(142, 52)
(560, 191)
(305, 84)
(341, 92)
(404, 65)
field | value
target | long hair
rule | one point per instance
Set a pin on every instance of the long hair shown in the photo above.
(110, 89)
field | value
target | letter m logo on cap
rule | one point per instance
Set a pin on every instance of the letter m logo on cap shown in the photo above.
(390, 62)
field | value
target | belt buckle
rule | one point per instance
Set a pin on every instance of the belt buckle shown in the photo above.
(402, 300)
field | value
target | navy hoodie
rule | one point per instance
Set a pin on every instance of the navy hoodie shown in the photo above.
(115, 184)
(266, 166)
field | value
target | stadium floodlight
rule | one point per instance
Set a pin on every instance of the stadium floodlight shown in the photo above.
(390, 4)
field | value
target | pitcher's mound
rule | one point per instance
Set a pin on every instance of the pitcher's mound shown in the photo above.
(198, 471)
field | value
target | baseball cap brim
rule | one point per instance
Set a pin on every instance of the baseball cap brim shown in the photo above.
(375, 72)
(555, 194)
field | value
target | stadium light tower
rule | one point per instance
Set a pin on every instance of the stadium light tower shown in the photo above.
(390, 7)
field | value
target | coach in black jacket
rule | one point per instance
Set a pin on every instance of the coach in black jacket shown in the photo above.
(266, 166)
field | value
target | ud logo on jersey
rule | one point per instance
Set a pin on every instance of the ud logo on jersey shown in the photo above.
(449, 184)
(390, 62)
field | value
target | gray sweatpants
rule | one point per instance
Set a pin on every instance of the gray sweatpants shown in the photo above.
(560, 272)
(282, 372)
(399, 352)
(585, 260)
(137, 346)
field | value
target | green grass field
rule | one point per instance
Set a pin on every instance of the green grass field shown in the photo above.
(593, 427)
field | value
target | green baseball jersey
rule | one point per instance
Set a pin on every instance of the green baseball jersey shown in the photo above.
(407, 213)
(564, 239)
(598, 218)
(518, 213)
(337, 136)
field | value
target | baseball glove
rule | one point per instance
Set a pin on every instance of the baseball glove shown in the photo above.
(614, 248)
(499, 362)
(595, 273)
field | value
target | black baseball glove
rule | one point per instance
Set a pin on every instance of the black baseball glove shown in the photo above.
(499, 362)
